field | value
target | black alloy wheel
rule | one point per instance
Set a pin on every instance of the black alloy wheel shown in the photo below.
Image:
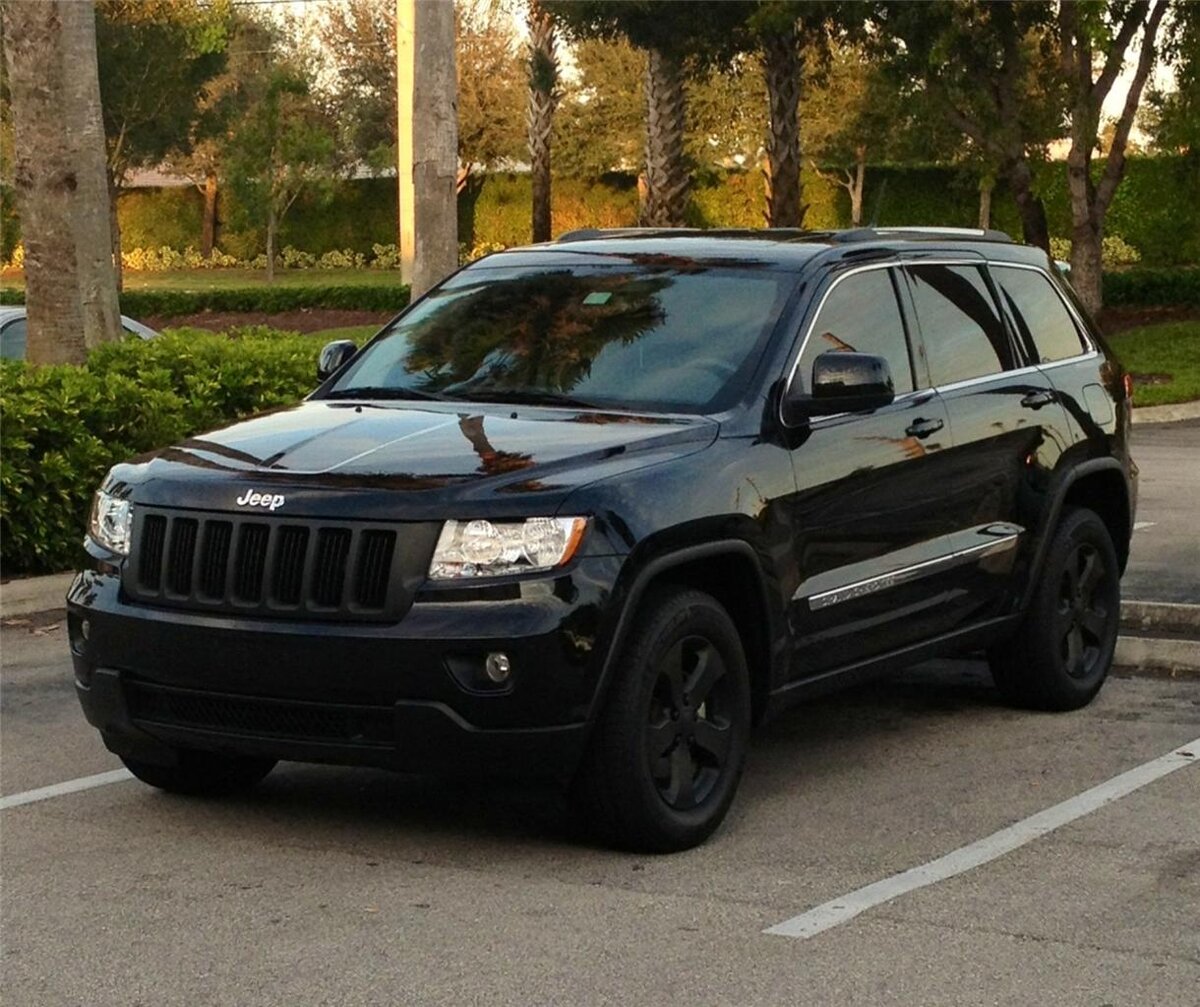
(1082, 611)
(689, 731)
(668, 748)
(1061, 652)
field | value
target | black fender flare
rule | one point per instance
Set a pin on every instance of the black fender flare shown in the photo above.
(1053, 512)
(642, 580)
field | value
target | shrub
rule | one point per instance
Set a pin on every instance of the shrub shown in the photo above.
(1152, 287)
(268, 300)
(65, 426)
(1115, 251)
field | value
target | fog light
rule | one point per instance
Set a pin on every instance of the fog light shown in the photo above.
(85, 629)
(498, 667)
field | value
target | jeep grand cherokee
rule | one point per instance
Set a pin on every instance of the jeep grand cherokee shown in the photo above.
(589, 510)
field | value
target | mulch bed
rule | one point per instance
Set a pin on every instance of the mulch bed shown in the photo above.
(1114, 320)
(302, 320)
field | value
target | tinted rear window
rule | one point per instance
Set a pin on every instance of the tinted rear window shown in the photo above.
(964, 337)
(1041, 318)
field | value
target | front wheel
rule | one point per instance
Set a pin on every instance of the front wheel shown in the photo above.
(199, 773)
(1060, 655)
(668, 751)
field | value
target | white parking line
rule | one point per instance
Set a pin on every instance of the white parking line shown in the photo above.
(1139, 525)
(69, 787)
(846, 907)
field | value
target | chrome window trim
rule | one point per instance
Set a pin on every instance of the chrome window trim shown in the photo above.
(1091, 353)
(904, 575)
(1080, 327)
(868, 267)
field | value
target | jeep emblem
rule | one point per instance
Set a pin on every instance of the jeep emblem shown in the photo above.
(252, 499)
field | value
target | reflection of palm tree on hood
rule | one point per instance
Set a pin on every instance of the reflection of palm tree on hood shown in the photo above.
(538, 331)
(492, 462)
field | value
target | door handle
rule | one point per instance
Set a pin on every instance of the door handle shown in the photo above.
(1035, 400)
(923, 428)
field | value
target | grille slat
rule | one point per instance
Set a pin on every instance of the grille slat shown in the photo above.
(374, 568)
(214, 558)
(154, 535)
(329, 577)
(181, 557)
(250, 563)
(270, 567)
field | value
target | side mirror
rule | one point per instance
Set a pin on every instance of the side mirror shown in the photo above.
(845, 382)
(334, 356)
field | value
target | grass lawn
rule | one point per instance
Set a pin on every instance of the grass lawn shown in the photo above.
(1164, 360)
(208, 279)
(359, 333)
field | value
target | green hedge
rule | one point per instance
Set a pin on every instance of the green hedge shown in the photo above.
(271, 300)
(65, 426)
(1145, 287)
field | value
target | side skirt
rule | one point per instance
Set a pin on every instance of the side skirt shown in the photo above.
(971, 638)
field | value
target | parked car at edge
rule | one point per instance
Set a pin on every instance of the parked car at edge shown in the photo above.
(589, 510)
(12, 332)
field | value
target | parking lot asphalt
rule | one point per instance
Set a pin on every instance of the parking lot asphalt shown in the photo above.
(1164, 561)
(337, 886)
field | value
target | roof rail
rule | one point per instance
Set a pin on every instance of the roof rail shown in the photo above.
(882, 233)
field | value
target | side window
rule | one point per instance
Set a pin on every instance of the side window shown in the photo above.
(1040, 317)
(12, 340)
(964, 337)
(861, 315)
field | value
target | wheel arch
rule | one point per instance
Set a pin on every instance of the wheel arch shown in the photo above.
(1100, 485)
(729, 571)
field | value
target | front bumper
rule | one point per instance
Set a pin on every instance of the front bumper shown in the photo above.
(408, 696)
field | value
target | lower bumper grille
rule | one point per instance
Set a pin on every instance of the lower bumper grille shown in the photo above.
(252, 716)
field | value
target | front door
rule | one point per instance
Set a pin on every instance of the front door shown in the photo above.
(869, 512)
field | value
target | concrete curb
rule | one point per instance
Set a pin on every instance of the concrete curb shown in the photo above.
(1167, 414)
(1151, 618)
(1142, 655)
(34, 594)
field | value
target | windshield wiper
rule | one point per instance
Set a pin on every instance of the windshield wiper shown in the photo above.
(379, 392)
(522, 396)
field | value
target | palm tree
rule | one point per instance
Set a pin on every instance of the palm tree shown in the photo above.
(783, 69)
(543, 97)
(667, 177)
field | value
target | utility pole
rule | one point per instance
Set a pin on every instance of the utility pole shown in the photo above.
(427, 147)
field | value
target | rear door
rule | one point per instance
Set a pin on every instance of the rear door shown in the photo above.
(1008, 430)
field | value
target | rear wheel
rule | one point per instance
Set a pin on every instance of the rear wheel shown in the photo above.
(202, 773)
(667, 754)
(1060, 656)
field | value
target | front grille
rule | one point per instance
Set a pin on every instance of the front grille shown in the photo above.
(285, 567)
(253, 716)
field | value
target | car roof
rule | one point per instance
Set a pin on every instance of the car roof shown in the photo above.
(772, 247)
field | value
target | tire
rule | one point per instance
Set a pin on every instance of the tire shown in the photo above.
(1061, 654)
(202, 774)
(666, 755)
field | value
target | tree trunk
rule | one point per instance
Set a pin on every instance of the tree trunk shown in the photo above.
(114, 230)
(987, 183)
(208, 237)
(1091, 198)
(271, 225)
(1034, 228)
(783, 71)
(435, 146)
(58, 174)
(856, 188)
(667, 177)
(543, 97)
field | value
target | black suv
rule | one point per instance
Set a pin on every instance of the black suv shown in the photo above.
(590, 509)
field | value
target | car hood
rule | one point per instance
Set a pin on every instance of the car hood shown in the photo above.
(320, 452)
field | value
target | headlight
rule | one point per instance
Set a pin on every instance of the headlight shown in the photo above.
(111, 522)
(491, 548)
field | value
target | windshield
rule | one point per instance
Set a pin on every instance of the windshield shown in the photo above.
(678, 336)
